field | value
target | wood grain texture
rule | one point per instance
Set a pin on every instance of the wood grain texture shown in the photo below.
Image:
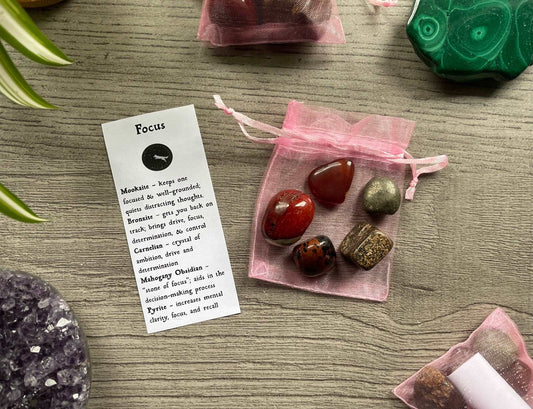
(464, 245)
(37, 3)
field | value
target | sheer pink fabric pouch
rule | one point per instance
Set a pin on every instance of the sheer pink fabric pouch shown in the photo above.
(491, 369)
(238, 22)
(311, 137)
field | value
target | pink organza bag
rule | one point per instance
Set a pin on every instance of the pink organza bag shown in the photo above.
(311, 137)
(237, 22)
(503, 381)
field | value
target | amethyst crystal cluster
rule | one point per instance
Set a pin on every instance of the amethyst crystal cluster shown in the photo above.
(44, 360)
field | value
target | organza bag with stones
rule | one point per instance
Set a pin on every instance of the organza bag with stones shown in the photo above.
(490, 370)
(313, 136)
(238, 22)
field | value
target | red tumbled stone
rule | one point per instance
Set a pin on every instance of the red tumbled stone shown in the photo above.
(232, 13)
(330, 183)
(296, 11)
(287, 216)
(315, 256)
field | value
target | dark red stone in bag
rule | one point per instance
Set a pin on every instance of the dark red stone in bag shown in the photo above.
(287, 216)
(232, 13)
(330, 183)
(315, 256)
(518, 375)
(295, 11)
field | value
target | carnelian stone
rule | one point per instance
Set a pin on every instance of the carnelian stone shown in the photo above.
(330, 183)
(233, 13)
(287, 216)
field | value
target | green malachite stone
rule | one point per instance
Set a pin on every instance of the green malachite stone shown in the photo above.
(466, 40)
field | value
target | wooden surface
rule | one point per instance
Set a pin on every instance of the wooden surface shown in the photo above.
(37, 3)
(464, 245)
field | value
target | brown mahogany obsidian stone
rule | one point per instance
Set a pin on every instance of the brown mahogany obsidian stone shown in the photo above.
(287, 216)
(232, 13)
(366, 245)
(295, 11)
(433, 390)
(315, 256)
(330, 183)
(518, 375)
(496, 347)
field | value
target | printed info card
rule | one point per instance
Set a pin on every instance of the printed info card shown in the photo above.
(171, 218)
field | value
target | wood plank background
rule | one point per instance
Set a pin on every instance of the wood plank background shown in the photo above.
(464, 245)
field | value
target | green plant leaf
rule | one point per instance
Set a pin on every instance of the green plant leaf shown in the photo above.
(15, 87)
(18, 29)
(13, 207)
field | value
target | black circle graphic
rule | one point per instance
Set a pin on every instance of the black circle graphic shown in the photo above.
(157, 157)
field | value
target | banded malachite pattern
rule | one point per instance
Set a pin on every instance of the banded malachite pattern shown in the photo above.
(466, 40)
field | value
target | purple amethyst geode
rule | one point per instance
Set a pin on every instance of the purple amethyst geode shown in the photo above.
(44, 361)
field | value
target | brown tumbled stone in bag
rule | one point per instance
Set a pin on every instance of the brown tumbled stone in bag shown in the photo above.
(295, 11)
(366, 245)
(496, 347)
(433, 390)
(315, 256)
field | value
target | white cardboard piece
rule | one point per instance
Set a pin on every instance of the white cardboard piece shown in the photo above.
(482, 386)
(170, 215)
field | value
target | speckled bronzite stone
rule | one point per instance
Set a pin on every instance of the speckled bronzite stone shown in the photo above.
(433, 390)
(366, 245)
(467, 40)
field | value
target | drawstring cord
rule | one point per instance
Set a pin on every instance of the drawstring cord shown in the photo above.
(432, 164)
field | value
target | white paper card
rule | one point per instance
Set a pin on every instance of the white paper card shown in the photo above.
(171, 218)
(483, 387)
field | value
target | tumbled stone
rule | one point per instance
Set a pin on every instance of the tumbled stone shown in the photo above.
(433, 390)
(365, 245)
(315, 256)
(496, 347)
(381, 196)
(330, 183)
(40, 343)
(472, 40)
(295, 11)
(287, 216)
(518, 375)
(232, 13)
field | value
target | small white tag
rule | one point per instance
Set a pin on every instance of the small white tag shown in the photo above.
(171, 218)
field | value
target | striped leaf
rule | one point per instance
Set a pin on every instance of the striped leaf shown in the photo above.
(15, 87)
(13, 207)
(18, 29)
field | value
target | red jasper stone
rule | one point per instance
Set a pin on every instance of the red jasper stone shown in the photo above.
(315, 256)
(330, 183)
(287, 216)
(232, 13)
